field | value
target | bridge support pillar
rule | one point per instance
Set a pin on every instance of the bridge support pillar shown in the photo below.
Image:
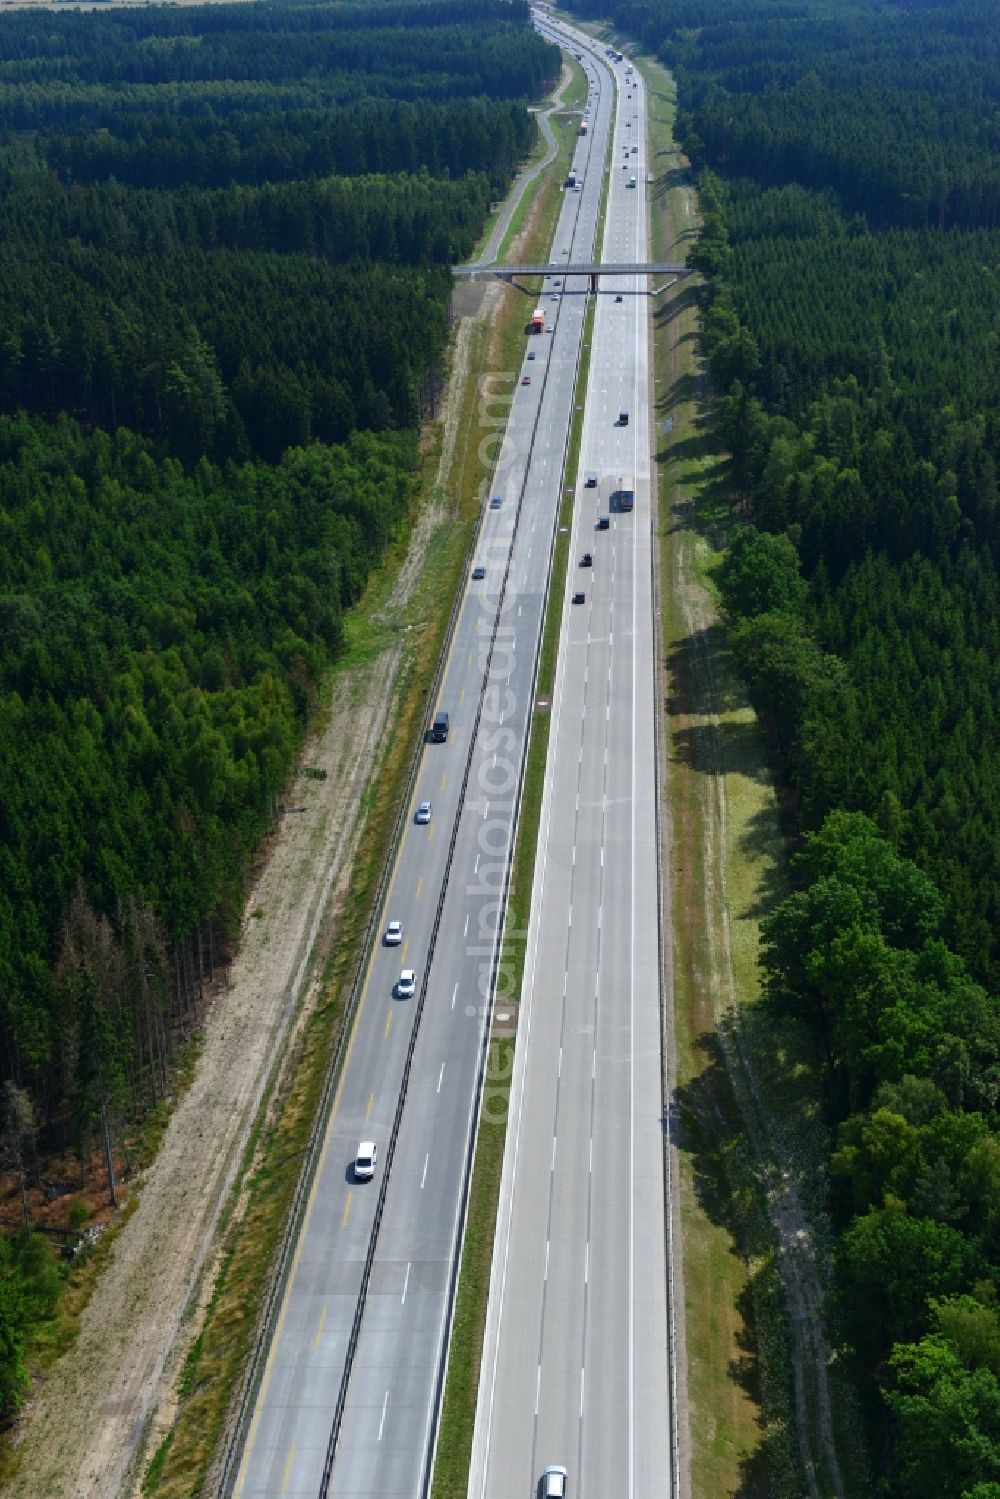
(593, 283)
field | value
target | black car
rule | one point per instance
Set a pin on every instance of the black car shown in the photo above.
(587, 560)
(579, 598)
(603, 523)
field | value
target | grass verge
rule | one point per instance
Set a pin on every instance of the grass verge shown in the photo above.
(451, 1470)
(727, 869)
(253, 1234)
(219, 1352)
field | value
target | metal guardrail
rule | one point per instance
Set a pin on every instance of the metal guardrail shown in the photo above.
(470, 1154)
(280, 1279)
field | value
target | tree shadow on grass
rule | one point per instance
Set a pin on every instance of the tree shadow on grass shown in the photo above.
(684, 297)
(705, 1129)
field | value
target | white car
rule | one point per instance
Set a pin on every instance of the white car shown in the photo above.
(393, 934)
(423, 812)
(364, 1161)
(406, 988)
(553, 1484)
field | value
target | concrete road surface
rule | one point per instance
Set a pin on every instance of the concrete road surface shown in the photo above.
(576, 1367)
(445, 889)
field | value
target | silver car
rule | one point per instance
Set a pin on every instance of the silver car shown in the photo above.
(423, 812)
(553, 1484)
(407, 985)
(393, 934)
(364, 1161)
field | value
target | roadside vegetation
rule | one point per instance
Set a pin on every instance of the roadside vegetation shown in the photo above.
(848, 475)
(451, 1469)
(224, 295)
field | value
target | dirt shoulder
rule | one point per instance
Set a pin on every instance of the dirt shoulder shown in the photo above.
(763, 1414)
(80, 1436)
(112, 1395)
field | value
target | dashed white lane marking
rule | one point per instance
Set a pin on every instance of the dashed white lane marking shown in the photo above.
(454, 996)
(423, 1176)
(440, 1077)
(381, 1424)
(553, 1167)
(406, 1282)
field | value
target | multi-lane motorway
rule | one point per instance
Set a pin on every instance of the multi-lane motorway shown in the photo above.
(576, 1367)
(348, 1397)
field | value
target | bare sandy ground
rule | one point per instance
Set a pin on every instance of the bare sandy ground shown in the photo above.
(81, 1435)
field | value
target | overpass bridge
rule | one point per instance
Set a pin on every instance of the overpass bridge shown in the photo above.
(593, 270)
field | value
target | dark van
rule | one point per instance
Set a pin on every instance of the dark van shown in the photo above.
(439, 728)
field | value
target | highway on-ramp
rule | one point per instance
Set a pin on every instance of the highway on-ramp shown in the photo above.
(348, 1393)
(577, 1360)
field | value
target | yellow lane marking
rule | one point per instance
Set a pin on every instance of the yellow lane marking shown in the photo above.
(319, 1326)
(420, 886)
(347, 1209)
(443, 779)
(405, 946)
(388, 1025)
(371, 1096)
(288, 1468)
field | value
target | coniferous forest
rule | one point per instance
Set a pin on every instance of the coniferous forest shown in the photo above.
(225, 235)
(848, 154)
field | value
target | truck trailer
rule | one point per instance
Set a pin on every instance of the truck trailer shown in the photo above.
(537, 324)
(618, 493)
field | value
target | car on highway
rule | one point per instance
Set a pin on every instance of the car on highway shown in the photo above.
(549, 328)
(553, 1484)
(393, 934)
(406, 986)
(590, 482)
(587, 560)
(496, 502)
(525, 379)
(478, 572)
(423, 813)
(604, 523)
(619, 297)
(557, 282)
(579, 597)
(531, 353)
(364, 1161)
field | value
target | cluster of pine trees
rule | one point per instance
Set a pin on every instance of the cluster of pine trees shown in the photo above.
(225, 236)
(850, 175)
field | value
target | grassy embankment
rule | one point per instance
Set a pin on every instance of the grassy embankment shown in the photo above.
(462, 1388)
(254, 1233)
(727, 862)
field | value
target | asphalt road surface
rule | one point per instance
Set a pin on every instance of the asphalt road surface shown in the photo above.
(445, 888)
(576, 1365)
